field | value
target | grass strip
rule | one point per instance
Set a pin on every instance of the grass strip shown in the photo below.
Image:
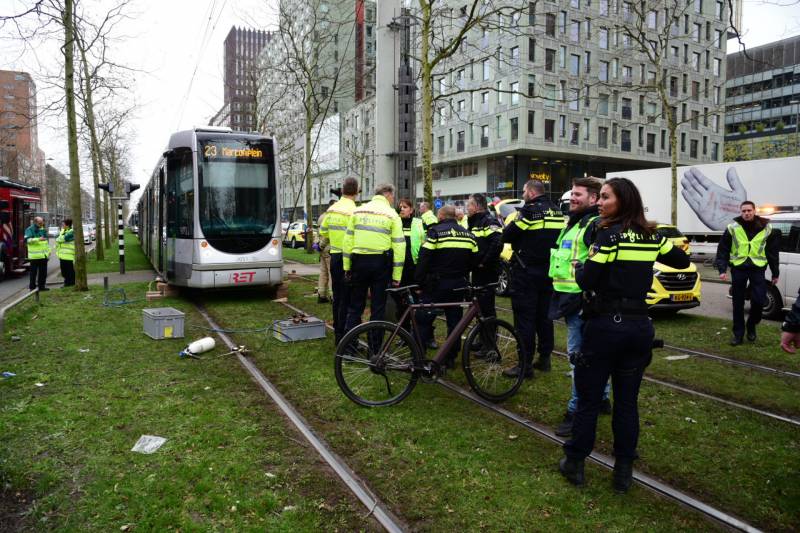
(440, 462)
(134, 257)
(231, 462)
(300, 255)
(697, 445)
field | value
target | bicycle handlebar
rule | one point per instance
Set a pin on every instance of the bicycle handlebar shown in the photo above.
(404, 288)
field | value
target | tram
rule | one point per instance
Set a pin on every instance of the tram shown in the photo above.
(208, 217)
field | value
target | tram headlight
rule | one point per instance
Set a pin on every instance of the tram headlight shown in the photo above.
(275, 242)
(203, 244)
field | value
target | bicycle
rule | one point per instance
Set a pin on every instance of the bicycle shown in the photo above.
(378, 363)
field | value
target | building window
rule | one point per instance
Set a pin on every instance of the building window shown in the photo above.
(693, 148)
(484, 136)
(531, 117)
(696, 91)
(531, 50)
(499, 86)
(574, 99)
(531, 85)
(514, 124)
(550, 95)
(514, 88)
(485, 65)
(696, 29)
(603, 7)
(574, 64)
(603, 75)
(562, 126)
(720, 11)
(549, 59)
(441, 144)
(717, 66)
(550, 24)
(574, 132)
(562, 57)
(625, 145)
(652, 19)
(651, 143)
(715, 151)
(574, 31)
(696, 61)
(627, 111)
(641, 137)
(683, 142)
(602, 137)
(515, 55)
(603, 38)
(460, 141)
(602, 104)
(549, 130)
(587, 61)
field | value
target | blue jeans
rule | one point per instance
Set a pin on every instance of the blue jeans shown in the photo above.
(574, 339)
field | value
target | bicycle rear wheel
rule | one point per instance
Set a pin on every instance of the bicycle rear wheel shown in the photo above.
(491, 348)
(375, 364)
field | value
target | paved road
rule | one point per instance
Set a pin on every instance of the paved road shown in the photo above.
(13, 285)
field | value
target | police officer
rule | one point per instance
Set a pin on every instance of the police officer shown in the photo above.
(445, 260)
(332, 231)
(373, 252)
(573, 245)
(65, 250)
(489, 235)
(38, 253)
(427, 216)
(748, 245)
(532, 234)
(617, 335)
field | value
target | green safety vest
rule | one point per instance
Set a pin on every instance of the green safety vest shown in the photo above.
(569, 247)
(38, 249)
(742, 248)
(417, 237)
(65, 249)
(375, 228)
(334, 223)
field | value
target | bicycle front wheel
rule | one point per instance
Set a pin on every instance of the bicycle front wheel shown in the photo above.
(375, 364)
(491, 348)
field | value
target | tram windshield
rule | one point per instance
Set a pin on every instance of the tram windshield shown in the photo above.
(237, 189)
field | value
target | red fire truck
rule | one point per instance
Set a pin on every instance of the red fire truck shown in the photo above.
(18, 203)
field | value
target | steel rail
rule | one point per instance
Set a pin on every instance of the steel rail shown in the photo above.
(715, 357)
(355, 484)
(606, 461)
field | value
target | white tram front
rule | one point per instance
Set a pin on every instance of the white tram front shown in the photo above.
(209, 215)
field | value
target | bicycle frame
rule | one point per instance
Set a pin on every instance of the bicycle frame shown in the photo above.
(473, 311)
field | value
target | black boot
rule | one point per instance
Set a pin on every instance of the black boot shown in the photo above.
(572, 469)
(564, 429)
(514, 372)
(543, 363)
(735, 341)
(623, 475)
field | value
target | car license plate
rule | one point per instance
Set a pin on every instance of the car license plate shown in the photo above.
(682, 297)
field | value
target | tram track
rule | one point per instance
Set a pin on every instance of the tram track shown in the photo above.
(352, 481)
(649, 482)
(716, 357)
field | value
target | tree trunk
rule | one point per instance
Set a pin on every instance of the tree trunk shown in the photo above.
(106, 222)
(72, 139)
(427, 102)
(309, 205)
(673, 144)
(95, 151)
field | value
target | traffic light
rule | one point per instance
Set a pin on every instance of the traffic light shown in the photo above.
(130, 187)
(108, 187)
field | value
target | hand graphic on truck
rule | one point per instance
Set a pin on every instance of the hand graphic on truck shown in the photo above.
(715, 206)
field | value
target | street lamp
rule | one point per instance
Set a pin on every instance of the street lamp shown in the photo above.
(796, 124)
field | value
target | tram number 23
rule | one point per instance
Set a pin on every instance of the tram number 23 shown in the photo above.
(210, 150)
(243, 277)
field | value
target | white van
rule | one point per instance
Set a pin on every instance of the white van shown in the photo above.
(783, 295)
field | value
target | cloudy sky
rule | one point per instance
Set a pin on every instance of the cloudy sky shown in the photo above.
(176, 48)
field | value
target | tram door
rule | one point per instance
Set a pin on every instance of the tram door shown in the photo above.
(162, 209)
(171, 218)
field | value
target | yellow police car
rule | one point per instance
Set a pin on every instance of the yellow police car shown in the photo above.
(672, 289)
(295, 235)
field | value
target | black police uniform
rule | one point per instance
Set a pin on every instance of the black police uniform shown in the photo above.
(749, 272)
(489, 235)
(617, 335)
(532, 234)
(445, 260)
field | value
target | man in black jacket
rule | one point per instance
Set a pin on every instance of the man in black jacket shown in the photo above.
(790, 336)
(489, 235)
(445, 260)
(748, 245)
(532, 234)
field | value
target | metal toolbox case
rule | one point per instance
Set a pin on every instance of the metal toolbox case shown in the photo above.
(293, 330)
(163, 323)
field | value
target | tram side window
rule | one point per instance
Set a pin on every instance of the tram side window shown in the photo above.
(181, 174)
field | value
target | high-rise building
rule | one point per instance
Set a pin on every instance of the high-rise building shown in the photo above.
(570, 88)
(762, 96)
(20, 156)
(242, 47)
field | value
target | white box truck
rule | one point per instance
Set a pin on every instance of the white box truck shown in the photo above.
(709, 197)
